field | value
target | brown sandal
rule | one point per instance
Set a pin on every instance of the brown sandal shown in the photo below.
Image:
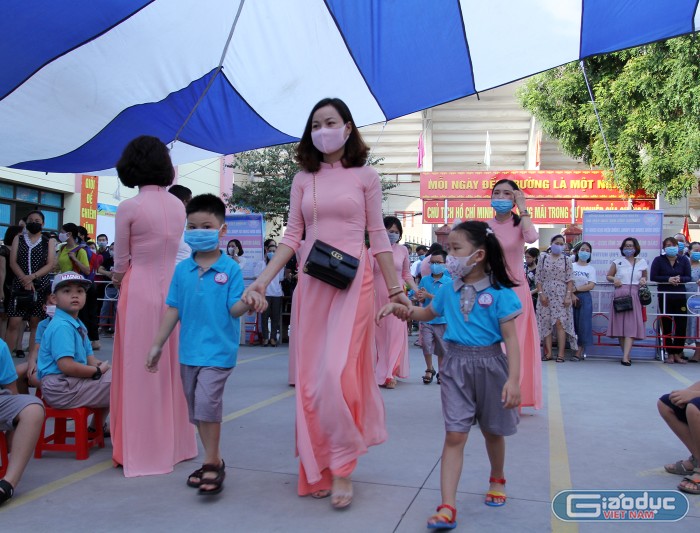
(217, 482)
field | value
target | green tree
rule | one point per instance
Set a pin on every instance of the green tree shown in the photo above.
(648, 99)
(272, 170)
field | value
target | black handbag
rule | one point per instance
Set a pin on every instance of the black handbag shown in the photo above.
(622, 304)
(329, 264)
(24, 299)
(644, 295)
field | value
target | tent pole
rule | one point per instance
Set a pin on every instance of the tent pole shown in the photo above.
(597, 116)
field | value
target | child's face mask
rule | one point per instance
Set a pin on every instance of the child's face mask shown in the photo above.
(50, 310)
(202, 240)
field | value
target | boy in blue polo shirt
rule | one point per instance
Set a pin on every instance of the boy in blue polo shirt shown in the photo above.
(71, 376)
(433, 330)
(205, 297)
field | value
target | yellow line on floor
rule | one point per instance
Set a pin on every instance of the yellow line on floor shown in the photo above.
(259, 405)
(257, 358)
(43, 490)
(674, 373)
(559, 472)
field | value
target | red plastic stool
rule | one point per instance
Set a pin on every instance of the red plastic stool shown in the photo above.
(83, 438)
(4, 459)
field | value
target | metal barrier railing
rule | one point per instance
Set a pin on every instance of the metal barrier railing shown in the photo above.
(602, 296)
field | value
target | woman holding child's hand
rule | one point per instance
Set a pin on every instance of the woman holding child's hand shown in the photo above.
(335, 198)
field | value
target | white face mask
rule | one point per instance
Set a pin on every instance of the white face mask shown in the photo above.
(50, 310)
(458, 267)
(63, 237)
(394, 237)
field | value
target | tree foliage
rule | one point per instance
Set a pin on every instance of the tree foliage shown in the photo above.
(271, 171)
(648, 99)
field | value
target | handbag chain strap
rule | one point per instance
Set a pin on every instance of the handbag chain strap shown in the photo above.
(362, 247)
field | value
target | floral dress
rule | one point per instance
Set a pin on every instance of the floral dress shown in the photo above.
(554, 274)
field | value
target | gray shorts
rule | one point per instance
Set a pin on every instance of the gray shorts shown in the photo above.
(433, 342)
(12, 405)
(68, 392)
(204, 391)
(472, 382)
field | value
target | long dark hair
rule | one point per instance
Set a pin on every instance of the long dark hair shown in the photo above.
(356, 151)
(480, 235)
(516, 218)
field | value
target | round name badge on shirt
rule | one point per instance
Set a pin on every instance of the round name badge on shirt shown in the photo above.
(485, 300)
(221, 278)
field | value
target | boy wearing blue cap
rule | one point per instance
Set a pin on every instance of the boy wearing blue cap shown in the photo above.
(205, 297)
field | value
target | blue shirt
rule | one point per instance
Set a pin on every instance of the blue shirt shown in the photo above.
(65, 336)
(209, 335)
(492, 307)
(7, 367)
(40, 329)
(432, 285)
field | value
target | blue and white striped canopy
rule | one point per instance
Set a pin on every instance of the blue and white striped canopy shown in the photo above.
(80, 78)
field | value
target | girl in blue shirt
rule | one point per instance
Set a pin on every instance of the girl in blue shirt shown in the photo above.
(479, 382)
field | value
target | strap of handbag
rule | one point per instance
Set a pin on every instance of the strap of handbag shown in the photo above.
(632, 276)
(362, 248)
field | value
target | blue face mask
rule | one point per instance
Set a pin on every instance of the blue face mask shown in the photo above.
(437, 268)
(671, 251)
(557, 248)
(695, 256)
(681, 247)
(202, 240)
(584, 256)
(501, 206)
(270, 254)
(628, 252)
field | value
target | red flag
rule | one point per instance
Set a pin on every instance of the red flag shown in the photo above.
(686, 230)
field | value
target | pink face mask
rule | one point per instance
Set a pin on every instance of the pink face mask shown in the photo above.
(329, 140)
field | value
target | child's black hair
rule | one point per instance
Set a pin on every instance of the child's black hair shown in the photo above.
(207, 203)
(481, 235)
(441, 253)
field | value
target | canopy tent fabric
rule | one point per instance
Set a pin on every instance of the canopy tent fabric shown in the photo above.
(81, 78)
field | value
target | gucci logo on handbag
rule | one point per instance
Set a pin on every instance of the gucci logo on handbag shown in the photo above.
(337, 255)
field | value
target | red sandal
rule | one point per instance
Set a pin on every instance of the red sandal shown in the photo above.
(497, 498)
(442, 520)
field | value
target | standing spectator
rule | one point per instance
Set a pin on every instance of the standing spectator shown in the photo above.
(183, 194)
(531, 256)
(424, 269)
(584, 283)
(108, 311)
(391, 335)
(693, 331)
(274, 295)
(235, 250)
(32, 257)
(9, 277)
(149, 418)
(672, 271)
(627, 274)
(89, 314)
(339, 407)
(421, 251)
(682, 244)
(555, 286)
(513, 231)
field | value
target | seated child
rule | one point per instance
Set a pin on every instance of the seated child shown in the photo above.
(70, 375)
(27, 372)
(205, 296)
(20, 414)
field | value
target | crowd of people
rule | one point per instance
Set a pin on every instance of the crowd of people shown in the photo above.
(484, 313)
